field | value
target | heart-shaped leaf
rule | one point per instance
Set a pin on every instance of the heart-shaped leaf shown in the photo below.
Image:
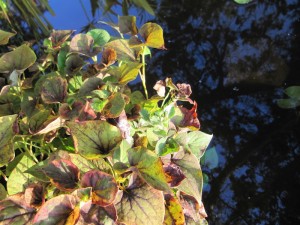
(34, 195)
(82, 44)
(174, 174)
(58, 210)
(153, 35)
(140, 204)
(173, 211)
(19, 59)
(63, 174)
(109, 57)
(6, 135)
(126, 72)
(85, 165)
(5, 36)
(58, 37)
(127, 24)
(190, 166)
(114, 106)
(54, 90)
(17, 179)
(100, 36)
(94, 214)
(104, 186)
(94, 139)
(124, 52)
(14, 210)
(149, 166)
(195, 142)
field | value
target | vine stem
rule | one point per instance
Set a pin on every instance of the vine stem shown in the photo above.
(143, 74)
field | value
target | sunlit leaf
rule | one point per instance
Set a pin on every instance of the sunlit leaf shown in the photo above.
(63, 174)
(57, 210)
(174, 174)
(121, 46)
(160, 88)
(194, 211)
(34, 195)
(127, 24)
(54, 90)
(5, 36)
(79, 110)
(166, 145)
(100, 36)
(210, 158)
(195, 142)
(186, 118)
(37, 171)
(19, 59)
(14, 210)
(18, 179)
(173, 211)
(83, 194)
(37, 121)
(104, 186)
(109, 57)
(126, 72)
(82, 44)
(140, 204)
(6, 135)
(94, 139)
(114, 106)
(149, 166)
(189, 165)
(91, 214)
(85, 165)
(153, 35)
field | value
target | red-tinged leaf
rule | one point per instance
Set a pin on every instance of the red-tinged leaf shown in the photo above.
(37, 120)
(174, 174)
(83, 194)
(121, 46)
(109, 57)
(127, 24)
(57, 211)
(114, 106)
(173, 211)
(124, 126)
(79, 111)
(184, 90)
(53, 125)
(34, 195)
(91, 214)
(94, 139)
(160, 88)
(186, 118)
(104, 187)
(7, 153)
(58, 37)
(193, 212)
(14, 210)
(153, 35)
(82, 44)
(73, 64)
(139, 203)
(85, 165)
(54, 90)
(63, 174)
(149, 167)
(190, 166)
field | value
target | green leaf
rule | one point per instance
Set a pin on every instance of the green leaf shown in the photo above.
(54, 90)
(61, 60)
(293, 92)
(149, 166)
(114, 106)
(6, 135)
(153, 35)
(82, 44)
(196, 142)
(210, 158)
(103, 185)
(94, 139)
(288, 103)
(58, 210)
(3, 192)
(28, 102)
(121, 46)
(100, 36)
(126, 72)
(5, 36)
(166, 145)
(140, 204)
(145, 5)
(18, 179)
(19, 59)
(37, 121)
(37, 172)
(15, 211)
(63, 174)
(120, 154)
(127, 24)
(189, 164)
(173, 211)
(242, 1)
(73, 64)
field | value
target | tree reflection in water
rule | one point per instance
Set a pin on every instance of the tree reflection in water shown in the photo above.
(238, 59)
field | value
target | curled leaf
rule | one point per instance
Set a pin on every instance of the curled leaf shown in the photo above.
(127, 24)
(5, 36)
(153, 35)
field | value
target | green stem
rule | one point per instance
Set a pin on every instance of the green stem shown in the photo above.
(111, 167)
(143, 74)
(3, 175)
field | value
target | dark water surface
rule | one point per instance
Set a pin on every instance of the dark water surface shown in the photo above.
(238, 59)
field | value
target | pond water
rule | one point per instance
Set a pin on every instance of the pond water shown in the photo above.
(238, 60)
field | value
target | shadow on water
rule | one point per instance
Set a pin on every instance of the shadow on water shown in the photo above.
(238, 59)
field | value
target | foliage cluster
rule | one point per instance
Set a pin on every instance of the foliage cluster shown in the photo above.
(77, 146)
